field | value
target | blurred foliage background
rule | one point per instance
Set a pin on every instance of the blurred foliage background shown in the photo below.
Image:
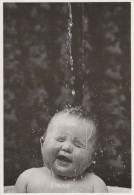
(38, 78)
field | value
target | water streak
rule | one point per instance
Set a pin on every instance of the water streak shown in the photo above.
(83, 38)
(69, 37)
(69, 47)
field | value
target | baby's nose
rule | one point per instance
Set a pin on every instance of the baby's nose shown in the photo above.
(67, 147)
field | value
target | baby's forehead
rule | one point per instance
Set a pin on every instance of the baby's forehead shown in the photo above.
(67, 118)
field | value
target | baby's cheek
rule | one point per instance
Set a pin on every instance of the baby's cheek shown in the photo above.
(52, 149)
(80, 161)
(55, 148)
(82, 158)
(77, 156)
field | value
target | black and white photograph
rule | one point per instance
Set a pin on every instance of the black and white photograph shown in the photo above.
(67, 97)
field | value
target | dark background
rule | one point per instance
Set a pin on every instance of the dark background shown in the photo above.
(38, 78)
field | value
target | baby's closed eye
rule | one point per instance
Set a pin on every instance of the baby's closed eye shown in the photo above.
(60, 139)
(78, 143)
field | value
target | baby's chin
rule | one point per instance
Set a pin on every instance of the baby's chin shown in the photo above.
(69, 172)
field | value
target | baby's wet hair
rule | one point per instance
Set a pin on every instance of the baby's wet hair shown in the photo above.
(80, 112)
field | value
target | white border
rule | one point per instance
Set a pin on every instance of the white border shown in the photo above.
(132, 87)
(1, 83)
(1, 98)
(52, 1)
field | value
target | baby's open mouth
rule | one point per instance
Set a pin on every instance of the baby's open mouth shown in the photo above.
(63, 158)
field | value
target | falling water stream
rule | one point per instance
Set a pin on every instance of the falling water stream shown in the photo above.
(83, 38)
(69, 46)
(69, 37)
(70, 61)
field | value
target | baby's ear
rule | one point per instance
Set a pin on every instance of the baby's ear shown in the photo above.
(42, 141)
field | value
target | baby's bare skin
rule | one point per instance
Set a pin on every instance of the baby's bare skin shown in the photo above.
(41, 180)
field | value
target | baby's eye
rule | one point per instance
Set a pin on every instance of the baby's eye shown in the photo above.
(79, 144)
(60, 139)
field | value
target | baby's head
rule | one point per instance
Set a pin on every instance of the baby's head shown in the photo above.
(69, 142)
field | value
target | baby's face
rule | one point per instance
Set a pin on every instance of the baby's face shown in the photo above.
(67, 149)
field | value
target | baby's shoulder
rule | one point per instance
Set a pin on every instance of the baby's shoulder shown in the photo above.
(29, 173)
(98, 183)
(33, 171)
(27, 177)
(95, 179)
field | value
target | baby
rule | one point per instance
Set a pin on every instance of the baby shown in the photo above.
(67, 148)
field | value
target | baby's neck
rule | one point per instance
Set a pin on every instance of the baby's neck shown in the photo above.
(65, 178)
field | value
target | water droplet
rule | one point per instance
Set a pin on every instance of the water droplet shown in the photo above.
(82, 177)
(73, 92)
(70, 24)
(85, 20)
(94, 162)
(101, 150)
(66, 85)
(72, 68)
(73, 78)
(83, 64)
